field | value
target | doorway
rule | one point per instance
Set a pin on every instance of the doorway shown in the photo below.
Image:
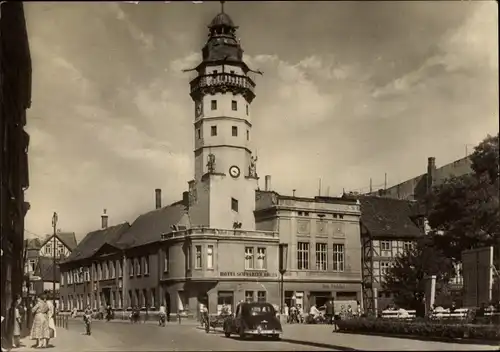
(106, 293)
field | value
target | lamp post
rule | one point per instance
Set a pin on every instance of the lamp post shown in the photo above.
(283, 261)
(54, 271)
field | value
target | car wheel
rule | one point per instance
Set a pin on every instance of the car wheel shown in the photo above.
(227, 333)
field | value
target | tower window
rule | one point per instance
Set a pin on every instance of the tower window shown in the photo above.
(247, 109)
(234, 105)
(248, 135)
(234, 131)
(234, 204)
(198, 131)
(214, 104)
(213, 130)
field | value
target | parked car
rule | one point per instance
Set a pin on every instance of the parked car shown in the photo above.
(254, 319)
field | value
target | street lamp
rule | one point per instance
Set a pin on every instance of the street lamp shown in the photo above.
(283, 260)
(54, 268)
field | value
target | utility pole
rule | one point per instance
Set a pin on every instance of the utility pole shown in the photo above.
(54, 226)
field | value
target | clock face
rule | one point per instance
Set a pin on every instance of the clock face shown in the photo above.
(199, 109)
(234, 171)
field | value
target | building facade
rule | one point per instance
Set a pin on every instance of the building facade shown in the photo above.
(15, 99)
(324, 247)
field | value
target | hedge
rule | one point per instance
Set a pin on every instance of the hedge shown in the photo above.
(420, 328)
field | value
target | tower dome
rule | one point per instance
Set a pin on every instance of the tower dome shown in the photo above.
(222, 20)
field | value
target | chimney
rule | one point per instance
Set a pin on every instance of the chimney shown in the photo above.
(431, 173)
(185, 198)
(268, 183)
(158, 198)
(104, 219)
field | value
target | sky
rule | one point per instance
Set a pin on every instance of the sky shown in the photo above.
(350, 91)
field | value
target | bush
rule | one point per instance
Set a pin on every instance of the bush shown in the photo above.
(420, 328)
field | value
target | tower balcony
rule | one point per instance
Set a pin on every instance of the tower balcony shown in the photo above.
(222, 83)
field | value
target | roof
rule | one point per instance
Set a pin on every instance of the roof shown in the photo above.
(33, 243)
(222, 19)
(67, 238)
(94, 240)
(45, 269)
(149, 227)
(386, 217)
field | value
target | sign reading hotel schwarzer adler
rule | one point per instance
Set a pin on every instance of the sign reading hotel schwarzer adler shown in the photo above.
(248, 274)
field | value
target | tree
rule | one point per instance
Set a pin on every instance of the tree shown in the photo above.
(406, 278)
(464, 212)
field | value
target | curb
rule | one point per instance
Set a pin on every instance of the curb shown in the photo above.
(461, 341)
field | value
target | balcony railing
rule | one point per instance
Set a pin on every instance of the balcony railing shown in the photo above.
(224, 82)
(219, 232)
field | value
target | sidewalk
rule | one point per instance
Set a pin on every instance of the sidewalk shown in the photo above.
(67, 340)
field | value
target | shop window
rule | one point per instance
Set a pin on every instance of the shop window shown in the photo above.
(248, 296)
(302, 255)
(261, 296)
(338, 257)
(225, 299)
(210, 257)
(198, 262)
(249, 258)
(261, 258)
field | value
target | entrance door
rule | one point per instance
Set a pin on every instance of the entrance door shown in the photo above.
(320, 298)
(106, 292)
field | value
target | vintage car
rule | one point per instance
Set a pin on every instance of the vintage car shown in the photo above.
(253, 319)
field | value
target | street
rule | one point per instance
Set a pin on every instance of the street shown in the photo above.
(123, 336)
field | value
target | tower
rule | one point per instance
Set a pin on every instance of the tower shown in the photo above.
(222, 194)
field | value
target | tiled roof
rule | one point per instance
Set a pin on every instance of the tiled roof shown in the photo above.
(45, 269)
(95, 240)
(386, 217)
(149, 227)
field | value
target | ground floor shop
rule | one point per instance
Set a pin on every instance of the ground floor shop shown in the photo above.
(187, 296)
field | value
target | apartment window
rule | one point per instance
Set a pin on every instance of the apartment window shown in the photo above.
(138, 268)
(119, 268)
(105, 270)
(198, 264)
(146, 265)
(261, 258)
(248, 258)
(407, 246)
(321, 256)
(384, 268)
(248, 135)
(165, 260)
(338, 257)
(247, 109)
(131, 267)
(198, 132)
(213, 104)
(248, 296)
(210, 257)
(234, 131)
(261, 296)
(99, 271)
(32, 265)
(302, 255)
(234, 105)
(234, 204)
(188, 258)
(213, 130)
(112, 270)
(87, 274)
(48, 249)
(385, 248)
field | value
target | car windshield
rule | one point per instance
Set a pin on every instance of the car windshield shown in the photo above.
(260, 310)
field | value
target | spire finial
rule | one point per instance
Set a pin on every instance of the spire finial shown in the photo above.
(222, 6)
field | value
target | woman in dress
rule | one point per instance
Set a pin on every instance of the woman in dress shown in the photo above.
(40, 328)
(50, 318)
(17, 322)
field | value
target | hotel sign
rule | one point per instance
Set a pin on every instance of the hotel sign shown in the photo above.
(247, 274)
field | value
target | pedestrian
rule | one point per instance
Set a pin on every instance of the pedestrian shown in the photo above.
(329, 311)
(161, 315)
(40, 328)
(87, 319)
(52, 325)
(17, 322)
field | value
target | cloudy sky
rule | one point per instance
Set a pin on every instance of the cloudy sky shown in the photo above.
(350, 90)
